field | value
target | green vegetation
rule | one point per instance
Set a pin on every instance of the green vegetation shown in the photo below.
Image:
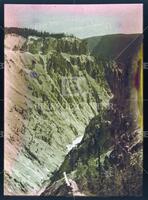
(25, 32)
(74, 91)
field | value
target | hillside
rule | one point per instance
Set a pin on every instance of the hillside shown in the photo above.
(108, 161)
(66, 110)
(118, 47)
(92, 42)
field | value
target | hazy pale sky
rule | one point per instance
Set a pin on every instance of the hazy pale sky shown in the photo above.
(81, 20)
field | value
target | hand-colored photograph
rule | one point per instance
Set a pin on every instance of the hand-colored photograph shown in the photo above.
(73, 91)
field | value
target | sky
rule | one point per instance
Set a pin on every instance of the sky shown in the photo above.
(80, 20)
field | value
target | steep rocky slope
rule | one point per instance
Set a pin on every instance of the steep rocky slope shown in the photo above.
(108, 160)
(53, 88)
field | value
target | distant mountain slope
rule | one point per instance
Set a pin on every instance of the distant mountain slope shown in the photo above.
(92, 42)
(120, 46)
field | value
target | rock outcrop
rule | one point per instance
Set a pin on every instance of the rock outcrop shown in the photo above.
(53, 88)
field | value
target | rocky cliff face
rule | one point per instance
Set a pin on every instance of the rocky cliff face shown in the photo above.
(108, 160)
(68, 110)
(53, 89)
